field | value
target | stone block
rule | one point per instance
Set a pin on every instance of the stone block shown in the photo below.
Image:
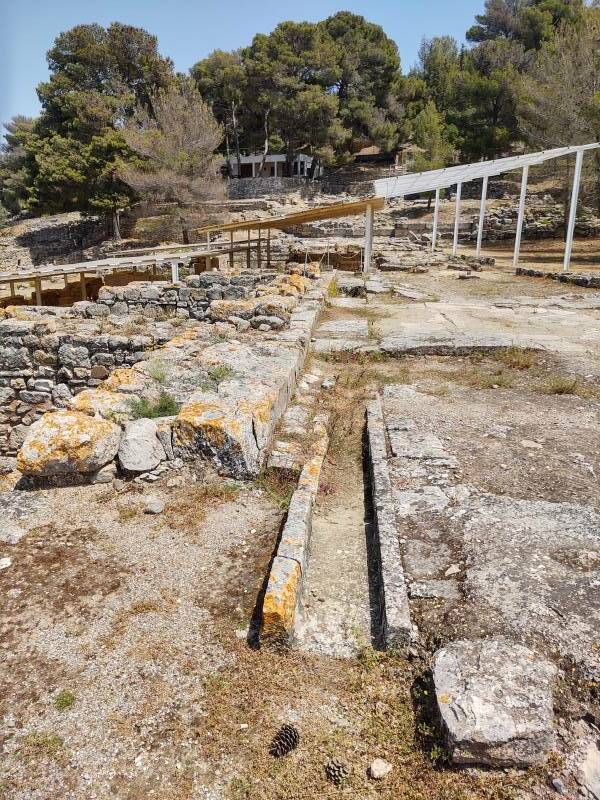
(140, 450)
(68, 443)
(281, 601)
(495, 701)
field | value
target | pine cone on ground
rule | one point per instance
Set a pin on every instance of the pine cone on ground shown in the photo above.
(336, 771)
(285, 740)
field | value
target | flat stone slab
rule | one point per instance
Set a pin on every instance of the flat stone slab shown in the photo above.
(495, 701)
(537, 564)
(344, 328)
(455, 344)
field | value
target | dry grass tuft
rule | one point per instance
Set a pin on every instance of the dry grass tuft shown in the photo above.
(188, 506)
(515, 357)
(278, 486)
(43, 744)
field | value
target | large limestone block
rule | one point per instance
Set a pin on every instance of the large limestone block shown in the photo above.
(221, 310)
(281, 601)
(100, 402)
(140, 450)
(495, 701)
(221, 431)
(68, 443)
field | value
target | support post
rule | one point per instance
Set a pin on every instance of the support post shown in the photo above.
(456, 218)
(521, 215)
(38, 291)
(248, 263)
(573, 210)
(484, 189)
(368, 238)
(12, 288)
(66, 280)
(83, 286)
(230, 249)
(436, 216)
(174, 272)
(269, 246)
(258, 251)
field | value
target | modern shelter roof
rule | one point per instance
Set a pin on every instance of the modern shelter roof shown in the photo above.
(417, 182)
(332, 211)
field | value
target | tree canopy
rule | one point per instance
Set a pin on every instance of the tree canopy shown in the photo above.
(528, 74)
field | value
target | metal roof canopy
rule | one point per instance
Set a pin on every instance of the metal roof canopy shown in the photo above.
(417, 182)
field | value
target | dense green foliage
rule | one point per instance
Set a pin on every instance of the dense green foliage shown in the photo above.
(529, 75)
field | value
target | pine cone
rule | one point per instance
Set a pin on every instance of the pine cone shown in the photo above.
(285, 740)
(336, 771)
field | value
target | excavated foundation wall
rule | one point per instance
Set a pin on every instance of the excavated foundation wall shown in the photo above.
(42, 367)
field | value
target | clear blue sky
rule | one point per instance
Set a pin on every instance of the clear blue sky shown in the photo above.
(188, 31)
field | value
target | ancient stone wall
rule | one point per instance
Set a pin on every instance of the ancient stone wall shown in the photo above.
(42, 367)
(159, 299)
(43, 240)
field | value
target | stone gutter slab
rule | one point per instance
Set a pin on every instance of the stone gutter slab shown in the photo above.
(397, 628)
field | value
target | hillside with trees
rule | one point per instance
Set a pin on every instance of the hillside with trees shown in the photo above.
(527, 77)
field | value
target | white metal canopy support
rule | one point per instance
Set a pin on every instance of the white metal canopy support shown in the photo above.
(368, 238)
(174, 272)
(436, 216)
(456, 218)
(522, 198)
(573, 210)
(484, 189)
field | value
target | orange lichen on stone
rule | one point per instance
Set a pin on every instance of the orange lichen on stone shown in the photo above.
(281, 600)
(99, 402)
(123, 378)
(68, 442)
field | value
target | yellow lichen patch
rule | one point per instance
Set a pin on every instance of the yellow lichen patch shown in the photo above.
(281, 598)
(68, 441)
(221, 310)
(299, 282)
(181, 339)
(123, 378)
(99, 402)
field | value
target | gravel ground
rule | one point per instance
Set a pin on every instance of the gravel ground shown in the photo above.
(109, 635)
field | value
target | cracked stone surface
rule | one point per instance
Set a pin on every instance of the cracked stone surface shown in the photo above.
(495, 701)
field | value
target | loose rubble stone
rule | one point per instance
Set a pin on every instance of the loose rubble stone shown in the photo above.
(379, 769)
(140, 450)
(495, 701)
(67, 443)
(153, 505)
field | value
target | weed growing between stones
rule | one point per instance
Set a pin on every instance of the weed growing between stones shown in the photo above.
(165, 406)
(220, 373)
(158, 371)
(64, 700)
(278, 486)
(43, 744)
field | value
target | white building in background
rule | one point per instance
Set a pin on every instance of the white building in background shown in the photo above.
(275, 166)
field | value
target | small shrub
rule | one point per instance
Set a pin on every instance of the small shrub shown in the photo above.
(165, 406)
(64, 700)
(220, 373)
